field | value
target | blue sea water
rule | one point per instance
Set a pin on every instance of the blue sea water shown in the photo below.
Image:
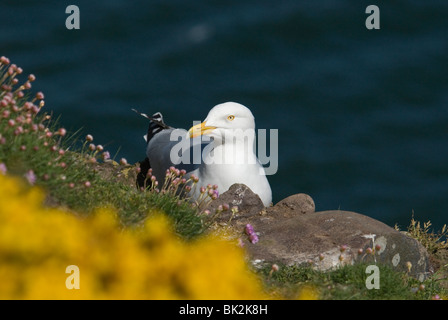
(362, 115)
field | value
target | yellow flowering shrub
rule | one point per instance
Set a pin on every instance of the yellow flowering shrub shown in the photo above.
(37, 244)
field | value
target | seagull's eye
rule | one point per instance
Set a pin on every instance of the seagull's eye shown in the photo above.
(231, 117)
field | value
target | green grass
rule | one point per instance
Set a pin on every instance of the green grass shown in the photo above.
(75, 172)
(348, 282)
(434, 242)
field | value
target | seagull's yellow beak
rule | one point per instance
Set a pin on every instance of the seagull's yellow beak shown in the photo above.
(200, 129)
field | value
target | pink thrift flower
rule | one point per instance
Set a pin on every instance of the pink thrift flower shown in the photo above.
(3, 169)
(62, 132)
(4, 60)
(253, 238)
(30, 177)
(249, 229)
(106, 155)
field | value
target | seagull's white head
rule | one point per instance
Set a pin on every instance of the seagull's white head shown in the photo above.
(225, 120)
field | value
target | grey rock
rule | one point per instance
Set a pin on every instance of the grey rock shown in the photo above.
(329, 239)
(292, 233)
(240, 196)
(300, 203)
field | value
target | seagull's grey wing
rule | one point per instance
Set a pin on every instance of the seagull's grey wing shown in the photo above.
(170, 147)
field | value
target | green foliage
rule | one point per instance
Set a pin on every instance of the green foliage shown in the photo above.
(432, 241)
(348, 282)
(80, 179)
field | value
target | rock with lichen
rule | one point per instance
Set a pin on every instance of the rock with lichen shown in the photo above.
(292, 233)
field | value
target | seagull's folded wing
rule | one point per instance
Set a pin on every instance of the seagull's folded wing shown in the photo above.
(171, 147)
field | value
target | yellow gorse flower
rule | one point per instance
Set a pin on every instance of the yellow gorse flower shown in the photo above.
(37, 244)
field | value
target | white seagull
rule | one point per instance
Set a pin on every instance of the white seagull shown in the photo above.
(226, 157)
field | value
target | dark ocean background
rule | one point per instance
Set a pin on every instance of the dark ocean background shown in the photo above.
(362, 114)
